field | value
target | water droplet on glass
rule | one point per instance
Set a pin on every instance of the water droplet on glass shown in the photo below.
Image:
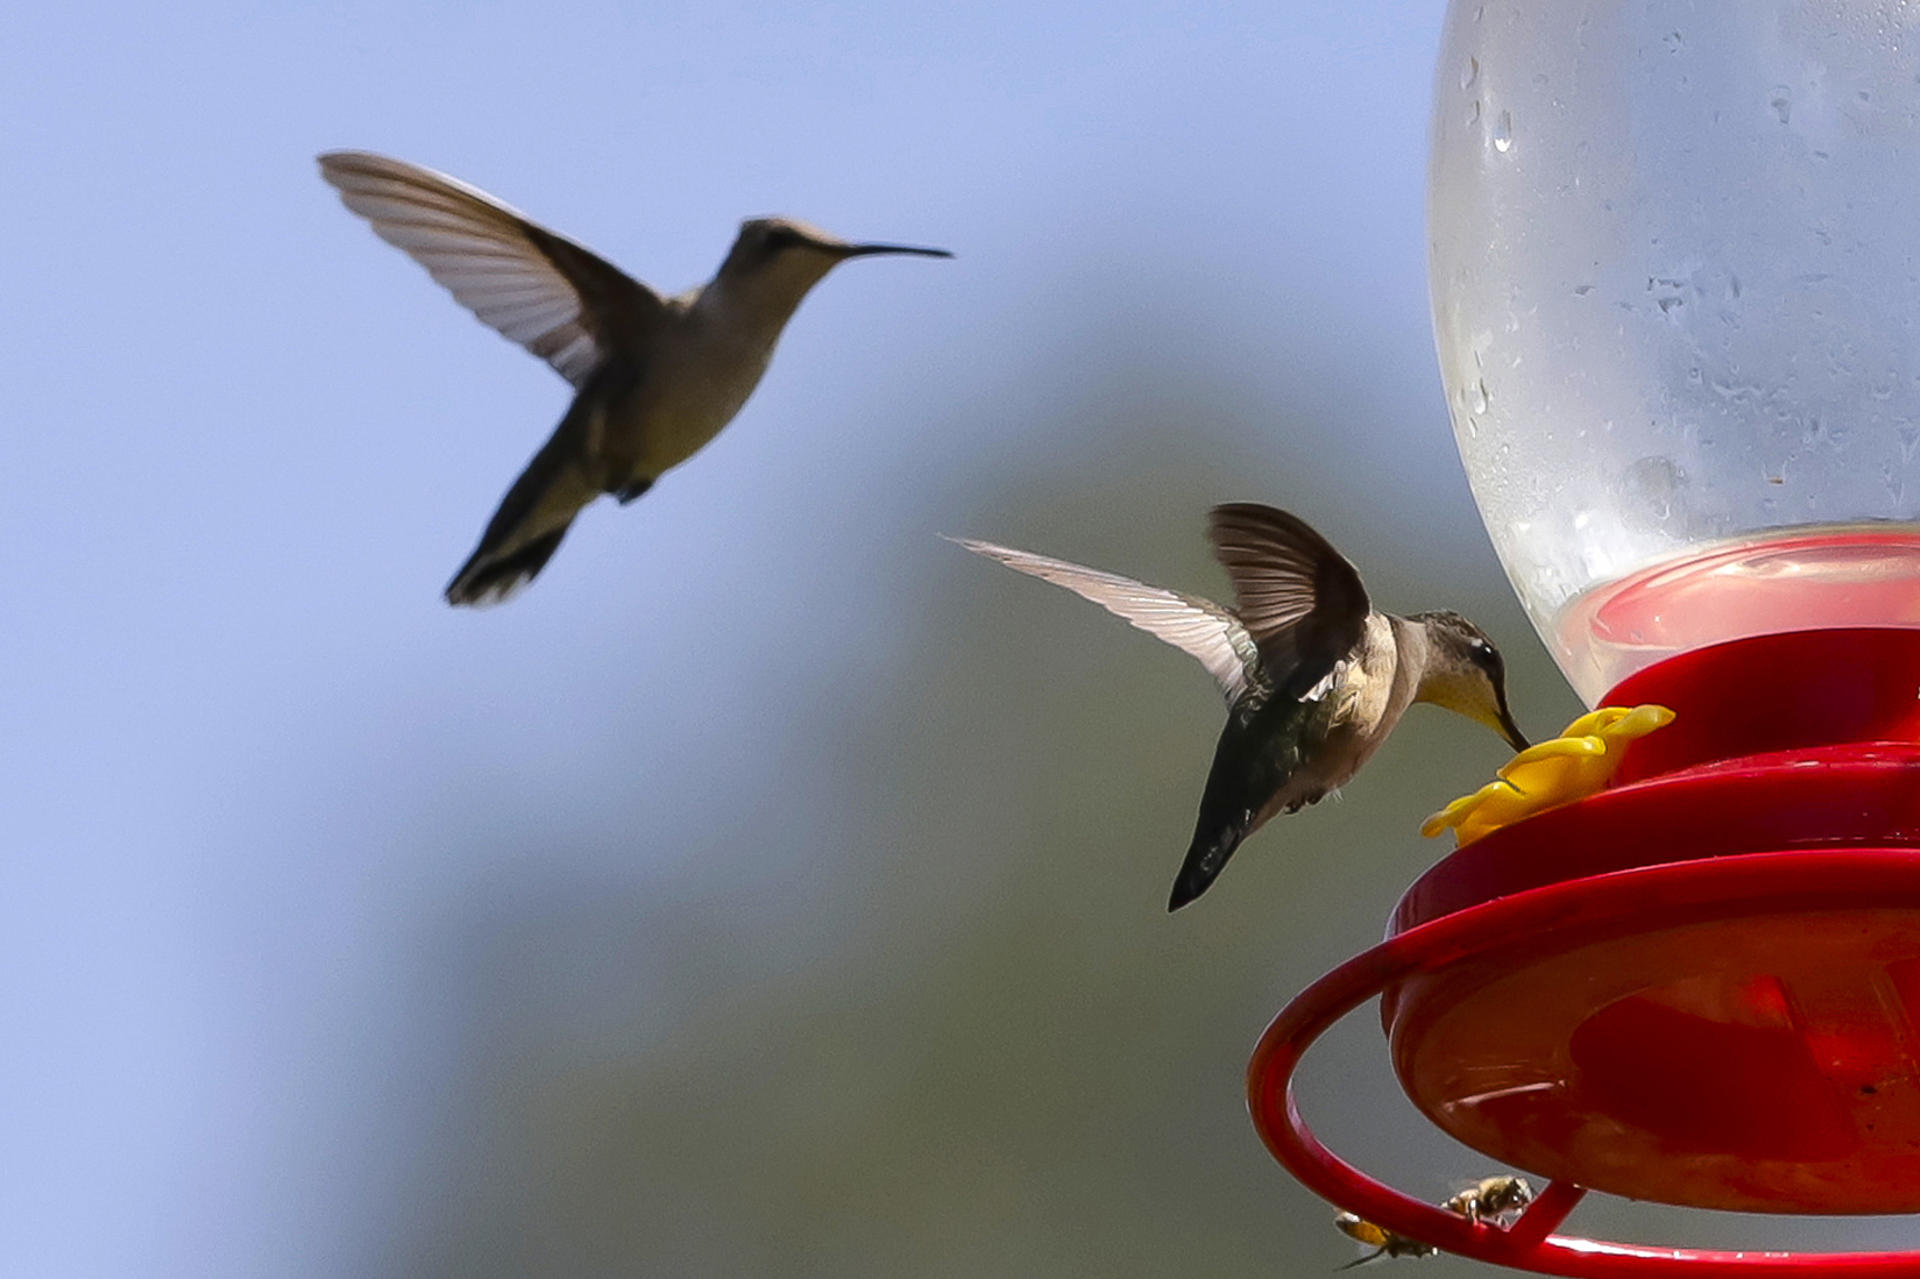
(1469, 73)
(1473, 112)
(1503, 132)
(1782, 102)
(1581, 290)
(1480, 396)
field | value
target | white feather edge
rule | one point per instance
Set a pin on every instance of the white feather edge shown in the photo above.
(474, 246)
(1198, 627)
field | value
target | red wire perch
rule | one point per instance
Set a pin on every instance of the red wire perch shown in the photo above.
(1682, 893)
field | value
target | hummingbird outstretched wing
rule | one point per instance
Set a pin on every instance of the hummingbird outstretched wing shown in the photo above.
(1192, 625)
(1299, 599)
(553, 297)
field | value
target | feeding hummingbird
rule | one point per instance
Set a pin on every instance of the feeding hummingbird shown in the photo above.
(1315, 679)
(655, 377)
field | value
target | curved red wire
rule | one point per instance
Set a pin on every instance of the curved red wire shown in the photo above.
(1714, 888)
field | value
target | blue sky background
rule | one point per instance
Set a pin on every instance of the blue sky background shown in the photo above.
(773, 888)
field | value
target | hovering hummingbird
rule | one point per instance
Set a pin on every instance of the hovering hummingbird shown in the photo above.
(1315, 679)
(655, 378)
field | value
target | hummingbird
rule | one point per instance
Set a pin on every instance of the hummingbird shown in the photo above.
(654, 377)
(1315, 679)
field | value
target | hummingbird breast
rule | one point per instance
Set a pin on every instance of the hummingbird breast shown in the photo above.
(1339, 729)
(694, 386)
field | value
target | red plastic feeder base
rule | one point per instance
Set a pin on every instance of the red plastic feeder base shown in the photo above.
(1700, 987)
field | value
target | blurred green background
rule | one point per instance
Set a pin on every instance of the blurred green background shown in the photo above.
(774, 888)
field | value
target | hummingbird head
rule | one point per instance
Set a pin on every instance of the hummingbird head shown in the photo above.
(781, 258)
(1466, 674)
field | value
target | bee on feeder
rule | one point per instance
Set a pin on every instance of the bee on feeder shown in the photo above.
(1492, 1199)
(1383, 1241)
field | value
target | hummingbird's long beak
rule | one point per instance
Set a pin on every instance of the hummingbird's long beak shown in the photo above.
(871, 250)
(1509, 729)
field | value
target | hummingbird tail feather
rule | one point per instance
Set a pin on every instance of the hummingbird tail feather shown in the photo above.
(488, 578)
(1206, 858)
(523, 534)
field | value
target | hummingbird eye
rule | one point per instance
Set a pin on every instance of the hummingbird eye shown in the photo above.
(781, 237)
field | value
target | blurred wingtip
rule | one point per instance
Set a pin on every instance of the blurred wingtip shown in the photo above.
(992, 550)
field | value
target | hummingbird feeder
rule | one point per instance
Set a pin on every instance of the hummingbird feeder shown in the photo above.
(1676, 287)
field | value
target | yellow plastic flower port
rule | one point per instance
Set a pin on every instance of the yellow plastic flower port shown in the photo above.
(1572, 766)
